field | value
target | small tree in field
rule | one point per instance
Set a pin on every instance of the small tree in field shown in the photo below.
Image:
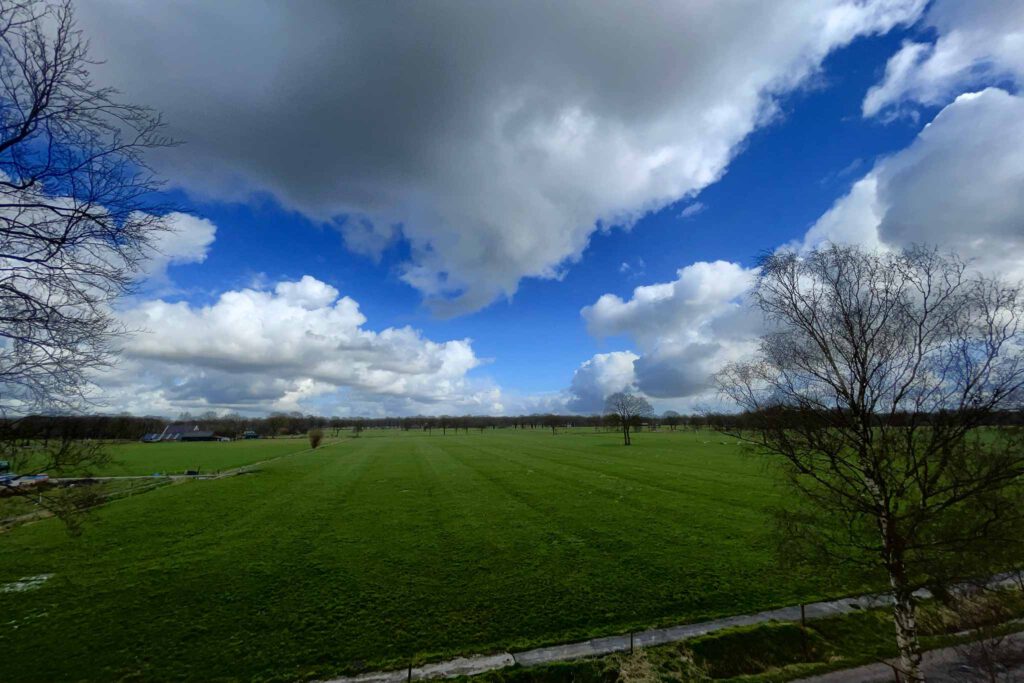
(316, 435)
(629, 409)
(553, 422)
(875, 388)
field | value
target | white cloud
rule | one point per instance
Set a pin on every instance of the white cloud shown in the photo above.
(299, 345)
(978, 42)
(598, 378)
(686, 329)
(497, 136)
(959, 185)
(187, 240)
(692, 210)
(702, 295)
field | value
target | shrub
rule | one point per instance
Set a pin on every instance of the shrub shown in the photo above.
(316, 435)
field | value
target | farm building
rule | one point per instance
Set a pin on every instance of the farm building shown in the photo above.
(198, 435)
(182, 432)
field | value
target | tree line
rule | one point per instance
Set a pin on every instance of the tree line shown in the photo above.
(129, 427)
(132, 428)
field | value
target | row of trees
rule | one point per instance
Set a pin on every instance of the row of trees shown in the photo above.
(128, 427)
(746, 423)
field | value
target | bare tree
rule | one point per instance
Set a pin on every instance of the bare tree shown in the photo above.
(875, 387)
(78, 215)
(628, 408)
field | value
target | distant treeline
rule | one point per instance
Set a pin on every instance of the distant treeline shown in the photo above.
(288, 424)
(128, 427)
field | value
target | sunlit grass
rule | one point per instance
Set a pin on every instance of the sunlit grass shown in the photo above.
(393, 545)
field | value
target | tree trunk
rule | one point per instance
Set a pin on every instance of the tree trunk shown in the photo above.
(625, 435)
(904, 611)
(904, 614)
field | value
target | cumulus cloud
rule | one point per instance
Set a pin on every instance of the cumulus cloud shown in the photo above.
(297, 345)
(187, 240)
(493, 137)
(704, 295)
(686, 329)
(978, 42)
(959, 185)
(599, 377)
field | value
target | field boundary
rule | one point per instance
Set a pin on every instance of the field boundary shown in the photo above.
(627, 642)
(156, 481)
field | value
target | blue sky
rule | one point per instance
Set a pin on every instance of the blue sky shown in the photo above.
(584, 146)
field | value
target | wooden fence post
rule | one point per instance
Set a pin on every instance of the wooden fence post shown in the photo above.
(803, 631)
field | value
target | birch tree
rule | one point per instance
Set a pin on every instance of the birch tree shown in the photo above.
(875, 388)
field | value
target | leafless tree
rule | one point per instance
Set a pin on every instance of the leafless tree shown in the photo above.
(874, 388)
(79, 211)
(628, 408)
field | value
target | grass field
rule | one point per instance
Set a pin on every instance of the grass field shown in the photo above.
(373, 550)
(206, 456)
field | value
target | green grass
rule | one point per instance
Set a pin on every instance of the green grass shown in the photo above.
(373, 550)
(206, 456)
(772, 652)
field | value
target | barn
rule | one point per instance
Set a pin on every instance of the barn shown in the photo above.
(186, 432)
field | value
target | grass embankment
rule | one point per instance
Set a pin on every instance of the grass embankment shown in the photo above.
(374, 550)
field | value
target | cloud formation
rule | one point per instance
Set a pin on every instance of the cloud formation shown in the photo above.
(494, 137)
(978, 43)
(601, 376)
(686, 329)
(287, 348)
(958, 186)
(187, 240)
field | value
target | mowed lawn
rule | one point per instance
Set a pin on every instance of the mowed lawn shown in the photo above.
(205, 456)
(143, 459)
(394, 545)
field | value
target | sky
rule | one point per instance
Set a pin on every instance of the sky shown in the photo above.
(503, 208)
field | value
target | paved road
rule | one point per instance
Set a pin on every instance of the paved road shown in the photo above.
(939, 666)
(465, 666)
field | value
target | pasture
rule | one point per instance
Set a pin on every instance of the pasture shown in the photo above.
(143, 459)
(374, 550)
(206, 456)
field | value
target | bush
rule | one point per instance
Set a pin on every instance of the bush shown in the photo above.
(316, 435)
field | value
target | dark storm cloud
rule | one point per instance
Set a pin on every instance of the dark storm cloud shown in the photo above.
(498, 135)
